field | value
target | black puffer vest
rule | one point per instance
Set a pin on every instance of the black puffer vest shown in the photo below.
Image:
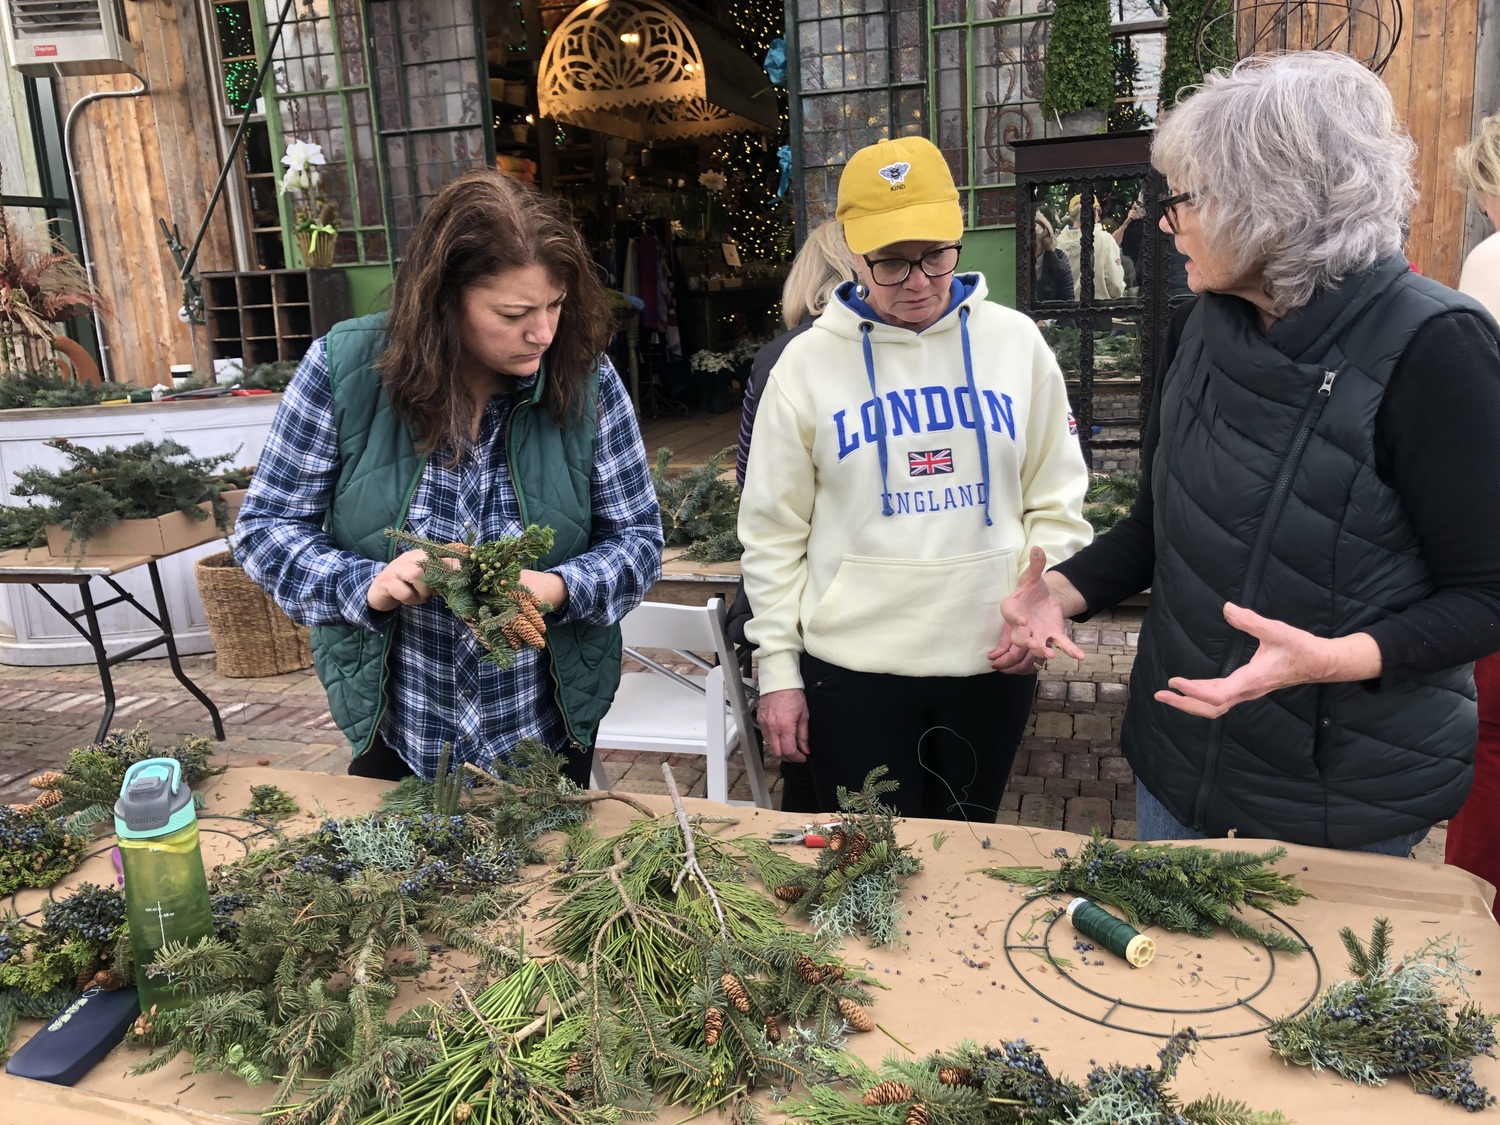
(1266, 495)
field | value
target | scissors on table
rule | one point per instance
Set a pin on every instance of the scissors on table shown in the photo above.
(809, 835)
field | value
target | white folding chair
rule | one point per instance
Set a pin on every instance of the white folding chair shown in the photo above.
(666, 712)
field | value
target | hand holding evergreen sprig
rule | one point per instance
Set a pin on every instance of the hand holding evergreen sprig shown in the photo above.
(481, 582)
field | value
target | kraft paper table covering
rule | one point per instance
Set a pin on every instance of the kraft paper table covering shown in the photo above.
(952, 979)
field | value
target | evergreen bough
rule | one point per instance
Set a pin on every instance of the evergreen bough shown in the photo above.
(699, 508)
(101, 487)
(1080, 63)
(1392, 1019)
(854, 886)
(1185, 888)
(1012, 1085)
(483, 587)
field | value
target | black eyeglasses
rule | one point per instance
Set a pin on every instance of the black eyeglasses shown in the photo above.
(893, 271)
(1170, 203)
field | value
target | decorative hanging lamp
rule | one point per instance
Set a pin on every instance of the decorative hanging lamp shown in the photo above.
(643, 70)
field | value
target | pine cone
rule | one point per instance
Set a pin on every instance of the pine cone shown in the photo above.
(834, 971)
(917, 1115)
(49, 797)
(808, 969)
(889, 1093)
(836, 839)
(854, 851)
(47, 780)
(462, 1112)
(108, 980)
(530, 635)
(575, 1064)
(773, 1030)
(792, 892)
(713, 1024)
(956, 1076)
(736, 993)
(855, 1015)
(24, 810)
(84, 978)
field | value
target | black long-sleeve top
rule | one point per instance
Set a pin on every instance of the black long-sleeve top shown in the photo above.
(1437, 444)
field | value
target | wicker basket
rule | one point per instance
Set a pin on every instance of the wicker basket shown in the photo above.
(251, 634)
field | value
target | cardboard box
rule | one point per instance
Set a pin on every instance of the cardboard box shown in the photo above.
(165, 535)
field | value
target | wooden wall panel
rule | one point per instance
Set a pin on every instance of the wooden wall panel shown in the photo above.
(144, 157)
(1431, 77)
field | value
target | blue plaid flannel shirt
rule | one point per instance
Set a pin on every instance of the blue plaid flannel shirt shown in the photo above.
(440, 690)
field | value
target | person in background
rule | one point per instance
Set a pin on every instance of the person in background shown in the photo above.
(481, 403)
(909, 448)
(820, 266)
(1474, 832)
(1109, 273)
(1054, 276)
(1128, 237)
(1320, 581)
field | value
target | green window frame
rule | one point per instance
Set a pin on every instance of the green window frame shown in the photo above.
(859, 76)
(319, 90)
(987, 61)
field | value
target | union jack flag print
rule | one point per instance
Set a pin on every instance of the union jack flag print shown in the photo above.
(930, 463)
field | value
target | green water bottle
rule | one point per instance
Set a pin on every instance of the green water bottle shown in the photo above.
(166, 890)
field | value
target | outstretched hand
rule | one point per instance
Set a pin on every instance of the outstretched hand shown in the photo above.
(1035, 622)
(1287, 656)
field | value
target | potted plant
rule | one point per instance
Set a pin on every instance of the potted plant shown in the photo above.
(1080, 82)
(713, 370)
(315, 221)
(1181, 69)
(41, 285)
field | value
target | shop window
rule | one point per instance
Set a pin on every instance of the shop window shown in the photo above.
(428, 58)
(321, 93)
(988, 62)
(860, 72)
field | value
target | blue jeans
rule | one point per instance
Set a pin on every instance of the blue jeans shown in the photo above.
(1154, 822)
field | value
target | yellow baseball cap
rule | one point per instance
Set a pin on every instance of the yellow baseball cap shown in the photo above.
(898, 191)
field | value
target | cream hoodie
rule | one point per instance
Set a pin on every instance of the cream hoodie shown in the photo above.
(904, 576)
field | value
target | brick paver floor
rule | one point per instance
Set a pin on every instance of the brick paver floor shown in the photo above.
(1069, 772)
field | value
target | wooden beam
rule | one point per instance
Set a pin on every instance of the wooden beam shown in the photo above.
(1486, 101)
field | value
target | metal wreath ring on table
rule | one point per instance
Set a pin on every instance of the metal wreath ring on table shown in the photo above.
(1242, 1003)
(262, 828)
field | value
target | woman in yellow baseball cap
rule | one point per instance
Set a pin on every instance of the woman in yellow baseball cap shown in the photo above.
(909, 449)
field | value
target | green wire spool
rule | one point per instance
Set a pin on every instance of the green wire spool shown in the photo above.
(1118, 936)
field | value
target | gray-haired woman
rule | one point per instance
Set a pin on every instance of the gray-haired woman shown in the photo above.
(1319, 516)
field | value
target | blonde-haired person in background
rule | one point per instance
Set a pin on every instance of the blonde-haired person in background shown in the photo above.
(1474, 832)
(821, 265)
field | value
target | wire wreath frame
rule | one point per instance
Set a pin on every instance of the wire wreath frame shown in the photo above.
(1015, 944)
(106, 842)
(1367, 30)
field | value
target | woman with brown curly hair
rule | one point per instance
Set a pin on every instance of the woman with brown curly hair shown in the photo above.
(479, 404)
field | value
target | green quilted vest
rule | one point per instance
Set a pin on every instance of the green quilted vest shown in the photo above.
(550, 469)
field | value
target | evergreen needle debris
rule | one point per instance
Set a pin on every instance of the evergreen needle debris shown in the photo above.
(1011, 1085)
(1393, 1018)
(1185, 888)
(481, 583)
(271, 802)
(854, 886)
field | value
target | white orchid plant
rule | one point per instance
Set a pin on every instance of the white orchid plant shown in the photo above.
(712, 362)
(311, 213)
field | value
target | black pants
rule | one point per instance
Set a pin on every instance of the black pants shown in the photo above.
(381, 762)
(948, 741)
